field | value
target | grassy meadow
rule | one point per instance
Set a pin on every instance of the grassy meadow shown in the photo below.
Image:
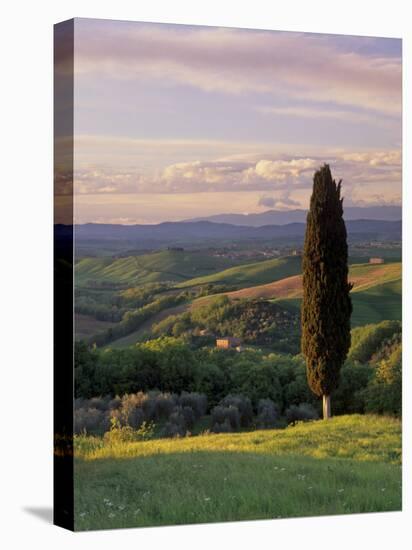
(350, 464)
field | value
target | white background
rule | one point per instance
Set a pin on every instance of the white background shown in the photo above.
(26, 271)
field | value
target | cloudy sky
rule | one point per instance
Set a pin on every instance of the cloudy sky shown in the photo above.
(173, 122)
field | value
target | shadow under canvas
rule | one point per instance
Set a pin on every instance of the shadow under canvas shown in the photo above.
(44, 513)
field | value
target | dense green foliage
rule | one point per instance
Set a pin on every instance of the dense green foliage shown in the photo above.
(384, 394)
(254, 322)
(168, 364)
(326, 304)
(133, 319)
(367, 340)
(173, 365)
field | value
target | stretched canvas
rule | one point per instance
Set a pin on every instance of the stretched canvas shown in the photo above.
(227, 274)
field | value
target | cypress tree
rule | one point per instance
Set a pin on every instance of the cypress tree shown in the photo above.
(326, 305)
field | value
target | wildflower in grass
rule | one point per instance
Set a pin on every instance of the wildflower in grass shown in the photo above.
(111, 515)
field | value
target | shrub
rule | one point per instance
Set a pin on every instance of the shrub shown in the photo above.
(165, 404)
(115, 403)
(120, 434)
(268, 414)
(90, 420)
(128, 416)
(180, 420)
(171, 429)
(197, 401)
(158, 405)
(349, 397)
(130, 411)
(189, 416)
(223, 417)
(304, 411)
(80, 403)
(243, 405)
(100, 403)
(223, 427)
(146, 431)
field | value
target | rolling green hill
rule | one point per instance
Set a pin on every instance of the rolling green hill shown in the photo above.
(166, 265)
(251, 274)
(376, 294)
(377, 303)
(373, 304)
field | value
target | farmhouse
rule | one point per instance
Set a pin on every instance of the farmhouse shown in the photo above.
(228, 342)
(376, 260)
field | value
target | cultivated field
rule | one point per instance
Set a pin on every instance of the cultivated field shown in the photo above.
(363, 277)
(166, 265)
(376, 295)
(257, 273)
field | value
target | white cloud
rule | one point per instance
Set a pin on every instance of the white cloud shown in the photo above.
(283, 201)
(370, 173)
(284, 170)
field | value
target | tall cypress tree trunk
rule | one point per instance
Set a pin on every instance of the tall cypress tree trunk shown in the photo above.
(327, 412)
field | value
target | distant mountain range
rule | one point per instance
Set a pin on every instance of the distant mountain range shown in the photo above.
(284, 217)
(179, 232)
